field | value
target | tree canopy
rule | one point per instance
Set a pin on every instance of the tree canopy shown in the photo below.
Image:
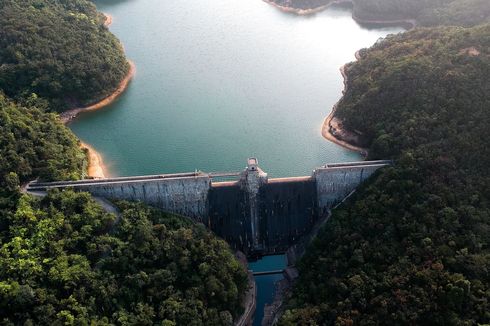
(412, 245)
(59, 50)
(33, 144)
(64, 260)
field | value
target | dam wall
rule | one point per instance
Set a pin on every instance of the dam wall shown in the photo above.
(334, 182)
(287, 209)
(229, 214)
(183, 194)
(254, 214)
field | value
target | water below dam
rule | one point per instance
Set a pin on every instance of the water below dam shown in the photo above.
(219, 81)
(265, 283)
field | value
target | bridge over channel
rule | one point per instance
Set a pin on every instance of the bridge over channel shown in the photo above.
(255, 214)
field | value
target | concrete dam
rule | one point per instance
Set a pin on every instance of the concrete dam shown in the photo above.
(254, 213)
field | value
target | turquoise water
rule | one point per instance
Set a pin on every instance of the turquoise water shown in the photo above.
(266, 283)
(219, 81)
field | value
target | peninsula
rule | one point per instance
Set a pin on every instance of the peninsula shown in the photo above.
(388, 12)
(68, 115)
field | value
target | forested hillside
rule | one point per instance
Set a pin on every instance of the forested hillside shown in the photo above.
(35, 144)
(63, 259)
(62, 262)
(426, 12)
(59, 50)
(411, 247)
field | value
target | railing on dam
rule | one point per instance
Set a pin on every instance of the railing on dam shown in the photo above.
(63, 184)
(361, 163)
(253, 213)
(88, 182)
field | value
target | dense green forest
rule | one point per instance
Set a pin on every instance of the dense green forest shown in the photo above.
(412, 246)
(426, 12)
(58, 50)
(65, 261)
(35, 144)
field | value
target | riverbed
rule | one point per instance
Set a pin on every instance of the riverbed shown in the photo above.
(219, 81)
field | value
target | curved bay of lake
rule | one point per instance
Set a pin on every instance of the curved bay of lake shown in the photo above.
(219, 81)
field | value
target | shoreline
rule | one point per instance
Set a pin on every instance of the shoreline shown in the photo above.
(302, 12)
(108, 19)
(96, 167)
(412, 23)
(330, 119)
(68, 116)
(310, 11)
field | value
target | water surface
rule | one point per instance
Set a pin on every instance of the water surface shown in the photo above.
(219, 81)
(266, 283)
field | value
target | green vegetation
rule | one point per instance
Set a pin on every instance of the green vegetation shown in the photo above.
(457, 13)
(411, 247)
(426, 12)
(59, 50)
(35, 144)
(64, 260)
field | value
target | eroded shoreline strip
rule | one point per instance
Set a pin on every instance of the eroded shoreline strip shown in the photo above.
(96, 167)
(108, 19)
(68, 116)
(329, 120)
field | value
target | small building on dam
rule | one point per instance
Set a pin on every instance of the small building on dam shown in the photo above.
(253, 213)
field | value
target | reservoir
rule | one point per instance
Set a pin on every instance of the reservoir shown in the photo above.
(219, 81)
(223, 80)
